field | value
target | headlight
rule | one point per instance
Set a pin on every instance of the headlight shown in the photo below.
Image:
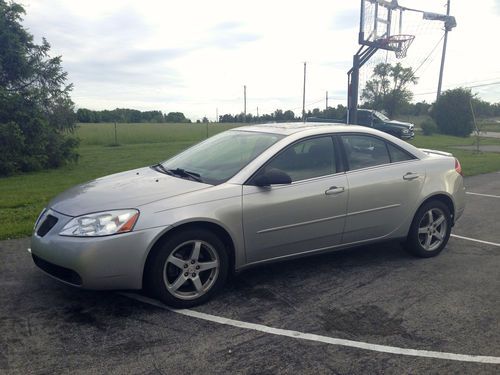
(101, 224)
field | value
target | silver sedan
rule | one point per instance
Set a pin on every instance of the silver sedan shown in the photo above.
(248, 196)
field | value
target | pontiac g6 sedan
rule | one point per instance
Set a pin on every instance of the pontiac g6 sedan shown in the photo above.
(244, 197)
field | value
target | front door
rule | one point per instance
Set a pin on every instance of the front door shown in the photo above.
(304, 216)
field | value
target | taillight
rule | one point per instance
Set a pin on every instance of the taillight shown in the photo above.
(458, 167)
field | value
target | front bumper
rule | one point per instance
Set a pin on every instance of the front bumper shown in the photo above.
(409, 135)
(108, 262)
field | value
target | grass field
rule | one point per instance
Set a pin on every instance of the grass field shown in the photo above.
(489, 125)
(104, 133)
(23, 197)
(484, 124)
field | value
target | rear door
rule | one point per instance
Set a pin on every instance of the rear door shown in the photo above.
(384, 184)
(306, 215)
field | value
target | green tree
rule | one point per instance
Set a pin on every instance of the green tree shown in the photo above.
(452, 112)
(278, 115)
(36, 111)
(288, 115)
(85, 115)
(176, 117)
(388, 88)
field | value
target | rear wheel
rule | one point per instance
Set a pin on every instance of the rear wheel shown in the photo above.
(189, 268)
(430, 230)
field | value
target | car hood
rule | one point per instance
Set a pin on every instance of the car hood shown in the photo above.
(128, 189)
(402, 124)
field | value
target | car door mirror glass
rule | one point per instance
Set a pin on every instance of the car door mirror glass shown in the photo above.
(273, 177)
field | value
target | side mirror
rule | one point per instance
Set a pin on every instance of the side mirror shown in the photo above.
(273, 177)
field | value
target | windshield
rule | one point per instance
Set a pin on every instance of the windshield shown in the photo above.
(381, 116)
(220, 157)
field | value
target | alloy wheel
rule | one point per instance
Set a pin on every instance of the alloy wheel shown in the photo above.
(191, 269)
(432, 229)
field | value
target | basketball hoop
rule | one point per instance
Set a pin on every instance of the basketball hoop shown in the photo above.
(398, 43)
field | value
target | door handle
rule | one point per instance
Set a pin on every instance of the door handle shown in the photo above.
(410, 176)
(334, 190)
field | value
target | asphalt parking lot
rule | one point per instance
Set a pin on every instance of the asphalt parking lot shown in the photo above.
(375, 295)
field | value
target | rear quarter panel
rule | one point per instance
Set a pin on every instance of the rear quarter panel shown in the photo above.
(442, 178)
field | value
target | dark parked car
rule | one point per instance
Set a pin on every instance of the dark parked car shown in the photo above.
(376, 120)
(379, 121)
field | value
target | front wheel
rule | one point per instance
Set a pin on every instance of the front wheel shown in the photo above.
(189, 268)
(430, 230)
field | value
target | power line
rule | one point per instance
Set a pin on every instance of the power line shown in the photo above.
(467, 87)
(467, 83)
(429, 55)
(484, 84)
(308, 104)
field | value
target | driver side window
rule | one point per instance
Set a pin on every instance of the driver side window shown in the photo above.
(314, 157)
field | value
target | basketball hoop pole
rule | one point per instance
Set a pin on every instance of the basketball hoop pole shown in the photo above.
(358, 60)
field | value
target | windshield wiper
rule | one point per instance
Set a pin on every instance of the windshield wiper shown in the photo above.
(183, 173)
(160, 168)
(178, 172)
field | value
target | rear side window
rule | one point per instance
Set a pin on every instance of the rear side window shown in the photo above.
(397, 154)
(364, 151)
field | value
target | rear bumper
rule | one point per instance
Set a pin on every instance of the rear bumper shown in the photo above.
(458, 193)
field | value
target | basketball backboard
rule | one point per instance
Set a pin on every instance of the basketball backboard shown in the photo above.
(380, 19)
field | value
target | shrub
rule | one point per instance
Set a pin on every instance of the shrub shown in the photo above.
(429, 127)
(11, 144)
(452, 112)
(36, 112)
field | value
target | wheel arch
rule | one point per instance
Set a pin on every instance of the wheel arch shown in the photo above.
(444, 198)
(215, 228)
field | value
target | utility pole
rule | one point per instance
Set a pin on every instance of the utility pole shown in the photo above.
(304, 96)
(326, 105)
(257, 112)
(440, 83)
(245, 102)
(216, 114)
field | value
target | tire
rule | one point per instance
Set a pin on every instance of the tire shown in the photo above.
(430, 230)
(189, 268)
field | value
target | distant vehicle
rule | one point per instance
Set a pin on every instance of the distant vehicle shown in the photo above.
(245, 197)
(379, 121)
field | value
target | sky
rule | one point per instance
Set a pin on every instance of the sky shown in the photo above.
(195, 56)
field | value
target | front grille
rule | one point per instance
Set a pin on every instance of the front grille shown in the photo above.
(47, 225)
(59, 272)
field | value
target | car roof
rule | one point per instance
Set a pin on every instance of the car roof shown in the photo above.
(296, 130)
(288, 128)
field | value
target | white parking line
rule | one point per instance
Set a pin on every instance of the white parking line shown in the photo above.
(319, 338)
(483, 195)
(475, 240)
